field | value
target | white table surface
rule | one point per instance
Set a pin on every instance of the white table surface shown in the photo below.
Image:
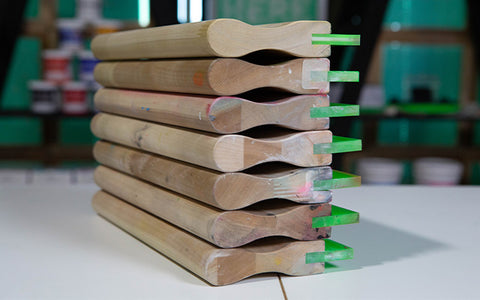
(412, 243)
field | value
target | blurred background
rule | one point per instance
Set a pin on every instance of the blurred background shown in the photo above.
(418, 88)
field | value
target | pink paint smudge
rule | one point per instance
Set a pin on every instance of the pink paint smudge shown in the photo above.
(304, 190)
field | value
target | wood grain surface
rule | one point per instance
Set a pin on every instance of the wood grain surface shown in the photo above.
(215, 265)
(215, 114)
(214, 38)
(225, 153)
(226, 191)
(225, 229)
(221, 76)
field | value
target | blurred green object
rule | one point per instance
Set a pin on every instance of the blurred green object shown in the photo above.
(475, 178)
(24, 66)
(365, 110)
(434, 132)
(31, 9)
(427, 108)
(267, 11)
(123, 10)
(431, 132)
(75, 131)
(393, 132)
(356, 131)
(421, 73)
(66, 8)
(476, 133)
(407, 177)
(20, 131)
(435, 14)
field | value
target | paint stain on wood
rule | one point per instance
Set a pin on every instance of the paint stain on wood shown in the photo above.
(198, 78)
(304, 190)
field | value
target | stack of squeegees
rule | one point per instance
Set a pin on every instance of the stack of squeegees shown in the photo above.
(215, 148)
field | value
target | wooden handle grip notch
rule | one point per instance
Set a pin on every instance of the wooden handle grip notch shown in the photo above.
(222, 76)
(225, 229)
(215, 265)
(223, 190)
(226, 153)
(215, 114)
(214, 38)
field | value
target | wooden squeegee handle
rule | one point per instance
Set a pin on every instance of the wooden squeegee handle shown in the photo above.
(215, 265)
(215, 114)
(225, 153)
(221, 76)
(221, 190)
(225, 229)
(214, 38)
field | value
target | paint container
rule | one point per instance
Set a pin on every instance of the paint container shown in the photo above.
(89, 10)
(45, 97)
(86, 66)
(437, 171)
(376, 170)
(70, 34)
(107, 26)
(74, 98)
(56, 65)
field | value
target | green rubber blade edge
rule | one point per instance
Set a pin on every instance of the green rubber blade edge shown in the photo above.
(333, 251)
(343, 76)
(336, 39)
(334, 76)
(335, 110)
(339, 144)
(339, 216)
(339, 180)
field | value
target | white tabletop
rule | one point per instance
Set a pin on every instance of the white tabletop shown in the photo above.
(412, 243)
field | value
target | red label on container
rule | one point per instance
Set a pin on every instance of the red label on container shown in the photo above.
(56, 69)
(74, 96)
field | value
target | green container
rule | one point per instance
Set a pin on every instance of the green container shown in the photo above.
(431, 132)
(267, 11)
(393, 132)
(24, 66)
(75, 131)
(66, 8)
(407, 172)
(31, 10)
(20, 131)
(434, 132)
(475, 178)
(356, 130)
(476, 133)
(411, 69)
(122, 10)
(435, 14)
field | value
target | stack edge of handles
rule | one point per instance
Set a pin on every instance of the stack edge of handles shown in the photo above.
(215, 151)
